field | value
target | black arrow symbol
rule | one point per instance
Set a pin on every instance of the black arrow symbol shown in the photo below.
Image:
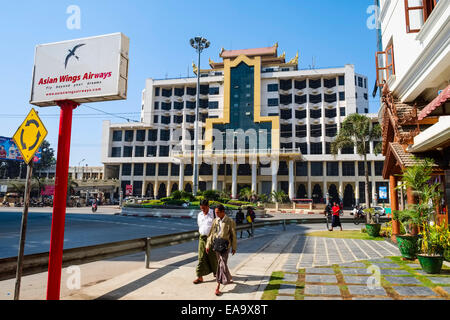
(32, 122)
(24, 146)
(36, 142)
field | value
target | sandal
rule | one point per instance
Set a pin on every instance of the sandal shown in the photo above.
(197, 281)
(218, 293)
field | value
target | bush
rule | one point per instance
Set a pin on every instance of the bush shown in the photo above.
(152, 203)
(199, 198)
(239, 203)
(363, 230)
(177, 195)
(174, 202)
(211, 195)
(223, 200)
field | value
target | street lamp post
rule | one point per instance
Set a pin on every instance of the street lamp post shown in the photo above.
(199, 44)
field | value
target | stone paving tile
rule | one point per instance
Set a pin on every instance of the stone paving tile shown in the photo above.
(320, 270)
(356, 279)
(372, 298)
(321, 278)
(413, 265)
(419, 298)
(323, 298)
(285, 298)
(387, 265)
(322, 290)
(382, 260)
(442, 280)
(403, 280)
(415, 291)
(365, 291)
(287, 288)
(447, 289)
(289, 277)
(394, 272)
(352, 265)
(354, 271)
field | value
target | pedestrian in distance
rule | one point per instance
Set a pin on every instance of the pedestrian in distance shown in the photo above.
(250, 217)
(240, 221)
(221, 239)
(207, 261)
(336, 222)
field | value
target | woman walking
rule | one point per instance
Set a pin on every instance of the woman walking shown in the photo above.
(221, 238)
(336, 219)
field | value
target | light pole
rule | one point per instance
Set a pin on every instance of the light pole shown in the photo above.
(199, 44)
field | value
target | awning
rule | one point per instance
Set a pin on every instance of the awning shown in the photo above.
(436, 103)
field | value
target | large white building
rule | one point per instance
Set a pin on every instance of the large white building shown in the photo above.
(258, 91)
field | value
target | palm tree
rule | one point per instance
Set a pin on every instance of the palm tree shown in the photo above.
(357, 129)
(71, 185)
(279, 196)
(247, 194)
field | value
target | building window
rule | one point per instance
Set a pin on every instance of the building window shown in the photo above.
(163, 151)
(116, 152)
(361, 169)
(272, 102)
(316, 169)
(138, 169)
(333, 169)
(331, 130)
(283, 169)
(164, 135)
(417, 12)
(348, 169)
(157, 92)
(175, 171)
(285, 85)
(300, 99)
(327, 147)
(286, 114)
(117, 136)
(129, 135)
(330, 113)
(163, 169)
(155, 119)
(315, 84)
(365, 83)
(191, 91)
(316, 130)
(188, 170)
(165, 120)
(273, 87)
(300, 131)
(330, 98)
(342, 80)
(150, 169)
(139, 151)
(178, 105)
(190, 104)
(156, 105)
(286, 131)
(315, 114)
(213, 105)
(204, 89)
(126, 169)
(315, 98)
(366, 110)
(300, 85)
(300, 114)
(127, 152)
(385, 65)
(303, 147)
(379, 168)
(167, 92)
(179, 92)
(342, 111)
(140, 135)
(166, 106)
(286, 99)
(366, 97)
(213, 91)
(316, 148)
(152, 135)
(151, 151)
(360, 82)
(348, 150)
(329, 83)
(342, 96)
(301, 169)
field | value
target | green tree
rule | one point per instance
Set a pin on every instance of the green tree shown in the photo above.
(71, 185)
(357, 129)
(279, 196)
(247, 194)
(47, 158)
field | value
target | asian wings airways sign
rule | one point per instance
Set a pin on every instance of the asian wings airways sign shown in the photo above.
(83, 70)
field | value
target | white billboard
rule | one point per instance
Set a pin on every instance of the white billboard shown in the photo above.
(83, 70)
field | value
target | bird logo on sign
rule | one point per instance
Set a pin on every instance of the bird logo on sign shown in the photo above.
(72, 54)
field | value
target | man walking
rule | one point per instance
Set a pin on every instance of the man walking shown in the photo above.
(207, 261)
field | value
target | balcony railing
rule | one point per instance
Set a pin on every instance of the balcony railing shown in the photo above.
(237, 152)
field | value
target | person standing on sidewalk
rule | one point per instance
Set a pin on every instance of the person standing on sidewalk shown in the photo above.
(240, 221)
(336, 222)
(221, 238)
(207, 261)
(250, 217)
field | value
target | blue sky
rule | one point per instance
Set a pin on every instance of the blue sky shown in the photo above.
(333, 33)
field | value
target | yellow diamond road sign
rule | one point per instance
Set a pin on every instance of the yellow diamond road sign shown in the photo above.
(30, 136)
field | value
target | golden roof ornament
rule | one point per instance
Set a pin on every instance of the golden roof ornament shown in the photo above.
(194, 67)
(283, 56)
(276, 45)
(294, 61)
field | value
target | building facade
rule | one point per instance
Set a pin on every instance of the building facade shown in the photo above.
(264, 123)
(413, 68)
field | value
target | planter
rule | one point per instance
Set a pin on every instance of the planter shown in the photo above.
(373, 230)
(431, 264)
(408, 246)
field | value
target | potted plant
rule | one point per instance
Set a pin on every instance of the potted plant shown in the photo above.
(373, 227)
(407, 243)
(434, 242)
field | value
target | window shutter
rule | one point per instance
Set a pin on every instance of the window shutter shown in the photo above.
(415, 15)
(381, 68)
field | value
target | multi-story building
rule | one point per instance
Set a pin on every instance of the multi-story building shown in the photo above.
(264, 124)
(413, 68)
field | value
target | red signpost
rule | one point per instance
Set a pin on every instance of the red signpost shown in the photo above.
(59, 203)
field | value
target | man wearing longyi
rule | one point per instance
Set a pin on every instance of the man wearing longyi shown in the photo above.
(207, 261)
